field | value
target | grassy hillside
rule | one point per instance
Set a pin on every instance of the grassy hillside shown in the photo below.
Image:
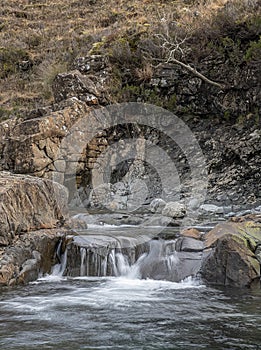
(40, 38)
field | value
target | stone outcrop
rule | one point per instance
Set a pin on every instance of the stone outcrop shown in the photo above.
(194, 96)
(231, 152)
(75, 84)
(231, 254)
(32, 210)
(29, 256)
(31, 146)
(29, 203)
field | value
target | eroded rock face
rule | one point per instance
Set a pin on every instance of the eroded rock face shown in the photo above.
(30, 255)
(75, 84)
(31, 146)
(231, 254)
(29, 203)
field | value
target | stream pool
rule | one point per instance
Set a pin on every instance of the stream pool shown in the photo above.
(121, 313)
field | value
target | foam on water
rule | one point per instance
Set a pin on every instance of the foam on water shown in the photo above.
(99, 292)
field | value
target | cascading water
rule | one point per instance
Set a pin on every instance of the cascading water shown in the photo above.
(106, 256)
(58, 269)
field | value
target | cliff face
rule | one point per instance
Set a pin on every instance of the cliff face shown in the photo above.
(231, 152)
(200, 62)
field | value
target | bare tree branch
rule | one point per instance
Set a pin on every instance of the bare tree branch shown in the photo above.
(172, 46)
(195, 72)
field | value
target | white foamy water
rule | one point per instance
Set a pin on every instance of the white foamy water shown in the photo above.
(125, 313)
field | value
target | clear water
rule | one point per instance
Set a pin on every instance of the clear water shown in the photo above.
(123, 313)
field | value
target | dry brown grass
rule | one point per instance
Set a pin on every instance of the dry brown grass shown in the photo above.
(145, 73)
(54, 32)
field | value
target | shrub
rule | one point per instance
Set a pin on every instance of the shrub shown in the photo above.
(47, 71)
(253, 53)
(9, 60)
(145, 73)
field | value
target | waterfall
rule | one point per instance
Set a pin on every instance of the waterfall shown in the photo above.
(58, 269)
(103, 255)
(156, 259)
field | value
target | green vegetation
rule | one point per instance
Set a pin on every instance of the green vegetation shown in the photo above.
(253, 53)
(10, 58)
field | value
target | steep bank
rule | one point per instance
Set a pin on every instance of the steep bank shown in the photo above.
(32, 211)
(133, 51)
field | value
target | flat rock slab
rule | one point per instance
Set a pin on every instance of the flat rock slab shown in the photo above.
(188, 244)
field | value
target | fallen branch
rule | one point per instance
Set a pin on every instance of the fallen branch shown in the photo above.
(195, 72)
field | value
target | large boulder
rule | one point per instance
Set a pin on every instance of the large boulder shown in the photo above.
(29, 203)
(231, 254)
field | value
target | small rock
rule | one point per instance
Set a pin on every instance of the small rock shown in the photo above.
(210, 208)
(193, 204)
(174, 210)
(192, 233)
(157, 205)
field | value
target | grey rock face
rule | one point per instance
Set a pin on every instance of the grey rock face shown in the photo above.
(74, 84)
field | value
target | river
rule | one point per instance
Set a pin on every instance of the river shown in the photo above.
(125, 312)
(122, 313)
